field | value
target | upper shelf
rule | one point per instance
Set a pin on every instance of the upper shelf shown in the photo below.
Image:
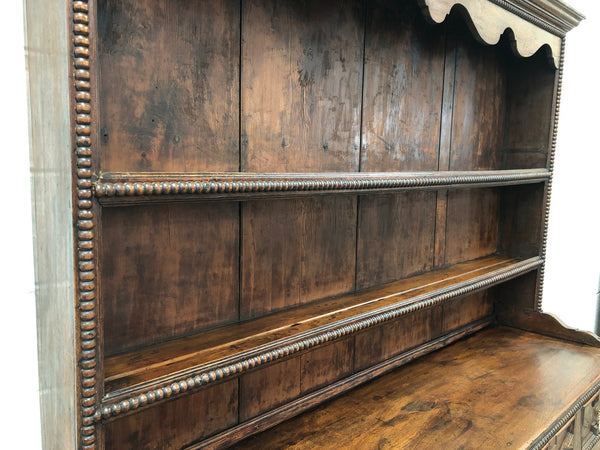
(534, 23)
(128, 187)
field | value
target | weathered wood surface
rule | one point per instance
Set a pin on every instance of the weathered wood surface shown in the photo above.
(47, 62)
(168, 271)
(301, 83)
(147, 363)
(295, 252)
(477, 393)
(488, 22)
(169, 85)
(177, 423)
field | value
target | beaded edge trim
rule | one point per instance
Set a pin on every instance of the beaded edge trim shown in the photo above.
(540, 292)
(84, 224)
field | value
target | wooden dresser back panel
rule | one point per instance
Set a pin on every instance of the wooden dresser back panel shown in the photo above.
(401, 108)
(529, 94)
(479, 104)
(167, 270)
(169, 85)
(301, 85)
(177, 423)
(296, 251)
(395, 236)
(472, 224)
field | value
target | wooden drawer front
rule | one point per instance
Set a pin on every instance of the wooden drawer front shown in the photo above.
(565, 438)
(590, 432)
(581, 432)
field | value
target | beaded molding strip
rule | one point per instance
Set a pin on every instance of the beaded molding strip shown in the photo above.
(139, 185)
(85, 239)
(540, 292)
(184, 381)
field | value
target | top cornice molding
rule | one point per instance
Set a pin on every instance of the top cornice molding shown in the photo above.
(533, 23)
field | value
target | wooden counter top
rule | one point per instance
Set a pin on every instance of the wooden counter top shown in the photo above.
(501, 388)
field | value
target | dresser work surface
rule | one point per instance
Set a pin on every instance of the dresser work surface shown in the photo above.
(501, 388)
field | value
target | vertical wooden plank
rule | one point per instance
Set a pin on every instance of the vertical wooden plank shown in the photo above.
(441, 210)
(530, 87)
(462, 311)
(521, 219)
(48, 68)
(402, 107)
(392, 338)
(177, 423)
(479, 102)
(269, 387)
(301, 85)
(296, 251)
(168, 270)
(445, 146)
(325, 365)
(169, 85)
(472, 224)
(395, 236)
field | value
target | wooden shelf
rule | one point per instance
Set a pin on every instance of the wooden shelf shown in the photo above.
(213, 355)
(143, 187)
(490, 405)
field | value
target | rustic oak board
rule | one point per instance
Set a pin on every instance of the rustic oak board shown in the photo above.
(476, 393)
(462, 311)
(301, 85)
(401, 107)
(296, 251)
(169, 85)
(168, 271)
(530, 89)
(395, 236)
(387, 340)
(161, 359)
(479, 105)
(472, 224)
(178, 422)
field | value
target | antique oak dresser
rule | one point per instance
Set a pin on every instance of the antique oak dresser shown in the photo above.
(303, 224)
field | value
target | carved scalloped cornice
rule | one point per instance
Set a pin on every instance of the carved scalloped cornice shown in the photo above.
(533, 23)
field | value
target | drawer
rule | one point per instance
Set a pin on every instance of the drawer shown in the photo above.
(582, 431)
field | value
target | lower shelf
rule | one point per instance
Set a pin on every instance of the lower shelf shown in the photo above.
(499, 388)
(141, 377)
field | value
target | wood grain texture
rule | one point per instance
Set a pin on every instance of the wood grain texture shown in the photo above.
(546, 324)
(177, 423)
(530, 86)
(491, 374)
(269, 387)
(307, 402)
(297, 251)
(143, 187)
(327, 364)
(402, 108)
(168, 271)
(390, 339)
(521, 220)
(395, 236)
(169, 85)
(479, 106)
(488, 22)
(472, 224)
(462, 311)
(47, 36)
(301, 84)
(290, 331)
